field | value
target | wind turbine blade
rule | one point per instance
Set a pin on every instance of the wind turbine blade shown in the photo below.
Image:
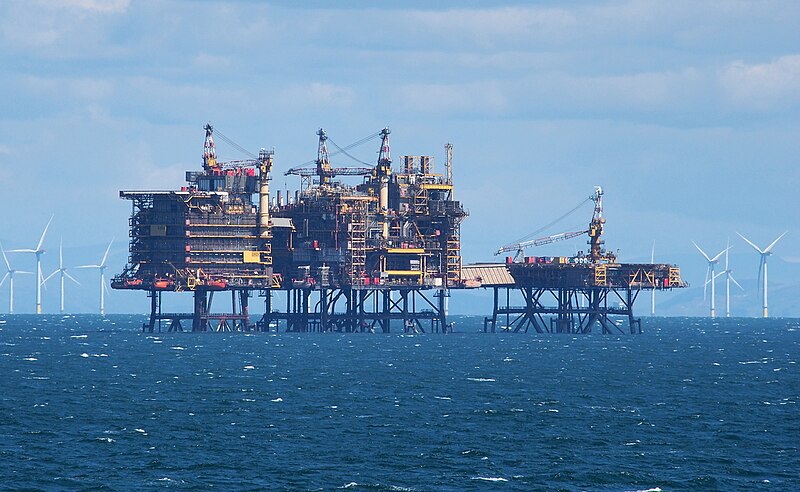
(49, 277)
(41, 280)
(61, 253)
(727, 248)
(20, 272)
(737, 283)
(88, 266)
(750, 243)
(105, 287)
(4, 278)
(760, 271)
(708, 280)
(22, 251)
(769, 248)
(653, 253)
(5, 258)
(708, 271)
(701, 251)
(106, 255)
(41, 239)
(71, 278)
(719, 254)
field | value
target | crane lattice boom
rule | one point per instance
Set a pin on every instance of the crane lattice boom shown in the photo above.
(540, 241)
(323, 167)
(594, 231)
(334, 171)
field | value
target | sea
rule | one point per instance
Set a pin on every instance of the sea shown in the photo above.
(90, 403)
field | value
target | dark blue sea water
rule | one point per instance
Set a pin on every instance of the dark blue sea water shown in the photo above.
(689, 405)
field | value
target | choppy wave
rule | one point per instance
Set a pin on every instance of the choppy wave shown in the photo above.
(689, 405)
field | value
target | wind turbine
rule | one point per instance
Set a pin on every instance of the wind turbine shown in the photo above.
(38, 252)
(762, 265)
(102, 267)
(63, 271)
(10, 276)
(728, 279)
(710, 277)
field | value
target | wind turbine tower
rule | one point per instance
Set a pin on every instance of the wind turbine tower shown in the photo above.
(762, 266)
(102, 267)
(63, 271)
(728, 279)
(39, 278)
(10, 276)
(710, 277)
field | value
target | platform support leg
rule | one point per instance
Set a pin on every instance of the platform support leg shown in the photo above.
(155, 310)
(442, 310)
(199, 319)
(244, 305)
(385, 313)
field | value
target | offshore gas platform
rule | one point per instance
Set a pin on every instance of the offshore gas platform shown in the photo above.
(356, 257)
(577, 292)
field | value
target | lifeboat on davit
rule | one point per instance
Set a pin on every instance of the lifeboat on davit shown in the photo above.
(162, 284)
(216, 284)
(127, 283)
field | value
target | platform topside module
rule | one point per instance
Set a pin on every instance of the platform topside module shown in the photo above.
(352, 257)
(396, 230)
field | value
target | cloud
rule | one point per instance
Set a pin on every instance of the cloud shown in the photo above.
(470, 98)
(95, 6)
(320, 93)
(764, 86)
(633, 23)
(154, 176)
(703, 92)
(60, 28)
(90, 88)
(492, 27)
(563, 93)
(184, 99)
(97, 113)
(64, 88)
(208, 61)
(6, 169)
(667, 90)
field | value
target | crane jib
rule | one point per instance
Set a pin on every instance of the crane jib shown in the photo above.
(595, 228)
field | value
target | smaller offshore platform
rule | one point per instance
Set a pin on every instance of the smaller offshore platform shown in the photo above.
(346, 257)
(358, 256)
(577, 292)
